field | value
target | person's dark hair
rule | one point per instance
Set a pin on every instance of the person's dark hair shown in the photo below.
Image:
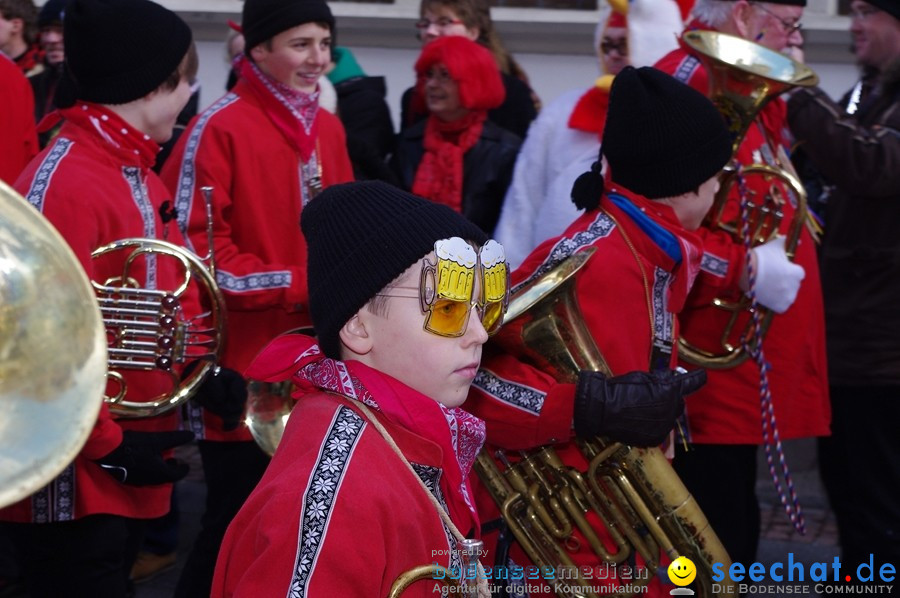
(476, 14)
(25, 10)
(187, 68)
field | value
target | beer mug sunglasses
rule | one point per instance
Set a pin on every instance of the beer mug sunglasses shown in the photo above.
(447, 287)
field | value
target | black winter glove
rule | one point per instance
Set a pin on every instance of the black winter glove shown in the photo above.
(637, 408)
(223, 393)
(138, 460)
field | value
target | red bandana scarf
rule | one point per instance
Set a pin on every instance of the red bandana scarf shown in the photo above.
(440, 173)
(457, 432)
(292, 111)
(128, 143)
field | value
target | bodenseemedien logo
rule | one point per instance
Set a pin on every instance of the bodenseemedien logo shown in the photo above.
(682, 572)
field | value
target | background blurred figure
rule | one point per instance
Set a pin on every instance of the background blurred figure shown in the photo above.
(857, 143)
(456, 156)
(234, 46)
(367, 119)
(563, 141)
(18, 143)
(18, 35)
(472, 19)
(50, 34)
(723, 428)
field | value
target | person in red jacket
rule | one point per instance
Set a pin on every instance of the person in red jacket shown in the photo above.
(664, 145)
(132, 60)
(723, 428)
(371, 477)
(19, 142)
(266, 149)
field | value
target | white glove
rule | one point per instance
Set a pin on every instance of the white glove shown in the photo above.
(777, 278)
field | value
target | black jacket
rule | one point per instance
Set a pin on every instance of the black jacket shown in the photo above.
(487, 169)
(859, 154)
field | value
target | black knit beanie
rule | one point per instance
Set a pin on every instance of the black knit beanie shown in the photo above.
(264, 19)
(360, 237)
(662, 138)
(52, 13)
(118, 51)
(892, 7)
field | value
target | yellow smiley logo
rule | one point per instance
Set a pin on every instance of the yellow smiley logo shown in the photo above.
(682, 571)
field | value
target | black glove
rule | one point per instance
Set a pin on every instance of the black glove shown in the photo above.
(223, 393)
(637, 408)
(138, 460)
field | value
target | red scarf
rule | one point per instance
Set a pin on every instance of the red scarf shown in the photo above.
(440, 173)
(292, 112)
(127, 143)
(297, 358)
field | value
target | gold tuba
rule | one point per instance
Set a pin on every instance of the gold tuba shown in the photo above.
(744, 77)
(634, 491)
(147, 329)
(52, 351)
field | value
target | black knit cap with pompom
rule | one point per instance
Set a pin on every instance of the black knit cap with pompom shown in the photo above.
(262, 20)
(360, 237)
(118, 51)
(662, 138)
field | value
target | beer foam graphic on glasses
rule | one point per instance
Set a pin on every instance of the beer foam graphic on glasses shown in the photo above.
(456, 269)
(493, 262)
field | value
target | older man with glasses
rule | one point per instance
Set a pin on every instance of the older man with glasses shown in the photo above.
(856, 142)
(723, 428)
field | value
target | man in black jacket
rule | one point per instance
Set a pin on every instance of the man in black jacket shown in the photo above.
(857, 143)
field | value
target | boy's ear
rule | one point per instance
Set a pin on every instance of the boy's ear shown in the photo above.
(258, 52)
(355, 336)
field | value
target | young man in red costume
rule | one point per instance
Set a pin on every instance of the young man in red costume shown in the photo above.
(723, 425)
(266, 149)
(664, 145)
(132, 60)
(371, 477)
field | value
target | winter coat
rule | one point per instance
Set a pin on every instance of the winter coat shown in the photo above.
(860, 256)
(487, 169)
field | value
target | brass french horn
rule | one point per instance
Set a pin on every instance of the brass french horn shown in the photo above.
(634, 491)
(744, 77)
(147, 328)
(52, 351)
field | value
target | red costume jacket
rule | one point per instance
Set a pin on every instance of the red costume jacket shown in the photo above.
(629, 293)
(260, 253)
(727, 409)
(95, 185)
(337, 512)
(19, 142)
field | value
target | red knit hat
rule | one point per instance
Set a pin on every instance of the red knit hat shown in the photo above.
(470, 64)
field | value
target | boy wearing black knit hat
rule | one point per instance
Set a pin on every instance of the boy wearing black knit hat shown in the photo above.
(371, 477)
(664, 145)
(127, 67)
(266, 148)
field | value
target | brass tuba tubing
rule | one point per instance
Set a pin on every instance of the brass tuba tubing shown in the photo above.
(633, 491)
(744, 77)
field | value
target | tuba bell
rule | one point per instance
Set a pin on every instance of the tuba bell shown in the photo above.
(147, 329)
(634, 492)
(52, 351)
(744, 77)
